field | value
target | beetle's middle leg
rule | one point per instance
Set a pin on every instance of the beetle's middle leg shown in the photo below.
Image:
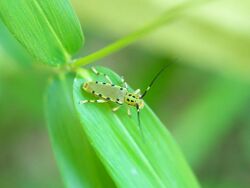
(103, 74)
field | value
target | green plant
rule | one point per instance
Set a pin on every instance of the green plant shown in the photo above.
(93, 146)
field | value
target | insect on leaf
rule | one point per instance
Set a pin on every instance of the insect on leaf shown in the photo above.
(132, 161)
(49, 30)
(78, 163)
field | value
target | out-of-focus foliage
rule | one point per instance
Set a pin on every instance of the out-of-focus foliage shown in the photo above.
(214, 109)
(26, 158)
(214, 35)
(201, 97)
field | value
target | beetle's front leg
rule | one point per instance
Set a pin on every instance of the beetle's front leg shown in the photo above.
(103, 74)
(128, 111)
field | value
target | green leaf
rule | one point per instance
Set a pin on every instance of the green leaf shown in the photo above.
(78, 163)
(11, 48)
(132, 161)
(49, 30)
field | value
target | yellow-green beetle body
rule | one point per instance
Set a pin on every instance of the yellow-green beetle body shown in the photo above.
(114, 93)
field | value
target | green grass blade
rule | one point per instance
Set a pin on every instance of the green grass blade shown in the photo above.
(77, 161)
(132, 161)
(49, 30)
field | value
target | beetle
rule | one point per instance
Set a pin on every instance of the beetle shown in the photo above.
(107, 91)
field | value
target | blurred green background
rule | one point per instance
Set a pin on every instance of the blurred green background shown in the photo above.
(203, 98)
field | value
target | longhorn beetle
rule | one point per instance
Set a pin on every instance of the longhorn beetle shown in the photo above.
(107, 91)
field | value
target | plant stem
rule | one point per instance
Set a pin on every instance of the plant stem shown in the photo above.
(168, 16)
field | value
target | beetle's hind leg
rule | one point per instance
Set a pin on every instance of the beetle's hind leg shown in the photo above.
(118, 107)
(93, 101)
(103, 74)
(124, 83)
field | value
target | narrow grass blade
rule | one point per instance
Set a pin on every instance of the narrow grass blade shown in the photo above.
(49, 30)
(78, 163)
(132, 161)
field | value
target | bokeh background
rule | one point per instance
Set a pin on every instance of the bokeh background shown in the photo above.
(203, 98)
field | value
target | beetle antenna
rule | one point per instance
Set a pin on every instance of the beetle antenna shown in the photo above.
(154, 79)
(139, 121)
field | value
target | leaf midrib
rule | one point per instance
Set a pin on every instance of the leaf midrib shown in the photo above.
(54, 33)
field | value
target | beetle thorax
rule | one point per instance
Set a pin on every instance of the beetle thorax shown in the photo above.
(133, 99)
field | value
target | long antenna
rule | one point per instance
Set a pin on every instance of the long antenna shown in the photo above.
(139, 121)
(152, 82)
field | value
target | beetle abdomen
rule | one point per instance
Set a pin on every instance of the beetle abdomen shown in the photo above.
(106, 91)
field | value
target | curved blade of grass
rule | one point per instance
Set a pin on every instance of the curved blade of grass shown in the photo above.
(78, 163)
(132, 161)
(49, 30)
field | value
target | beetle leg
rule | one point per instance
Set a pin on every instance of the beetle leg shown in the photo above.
(93, 101)
(116, 108)
(124, 83)
(137, 91)
(129, 112)
(103, 74)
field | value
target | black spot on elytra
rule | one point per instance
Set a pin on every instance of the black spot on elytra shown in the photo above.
(132, 101)
(103, 83)
(121, 88)
(100, 95)
(113, 85)
(96, 82)
(130, 95)
(108, 98)
(117, 99)
(128, 100)
(133, 96)
(93, 92)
